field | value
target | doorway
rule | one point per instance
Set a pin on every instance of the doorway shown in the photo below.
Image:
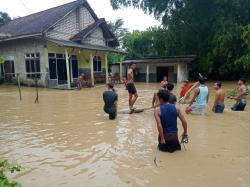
(161, 72)
(9, 70)
(62, 71)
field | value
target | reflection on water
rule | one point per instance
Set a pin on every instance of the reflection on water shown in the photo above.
(67, 140)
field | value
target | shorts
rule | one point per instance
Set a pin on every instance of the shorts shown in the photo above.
(111, 112)
(131, 88)
(172, 143)
(112, 116)
(200, 109)
(219, 108)
(239, 106)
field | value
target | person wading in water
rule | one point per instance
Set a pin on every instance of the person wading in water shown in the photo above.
(166, 118)
(131, 87)
(241, 96)
(110, 98)
(200, 99)
(218, 106)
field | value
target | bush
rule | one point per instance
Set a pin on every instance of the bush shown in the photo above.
(5, 166)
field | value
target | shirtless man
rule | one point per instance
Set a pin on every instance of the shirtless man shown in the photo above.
(131, 86)
(166, 116)
(218, 106)
(241, 96)
(164, 82)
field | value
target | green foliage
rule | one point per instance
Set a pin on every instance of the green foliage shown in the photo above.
(118, 29)
(1, 60)
(4, 18)
(217, 31)
(145, 43)
(5, 166)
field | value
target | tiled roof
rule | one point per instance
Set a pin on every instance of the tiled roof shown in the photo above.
(41, 21)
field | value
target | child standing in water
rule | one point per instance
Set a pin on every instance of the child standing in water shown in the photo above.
(164, 82)
(241, 96)
(218, 106)
(166, 118)
(110, 99)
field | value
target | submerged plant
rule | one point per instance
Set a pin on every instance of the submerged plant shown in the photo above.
(5, 166)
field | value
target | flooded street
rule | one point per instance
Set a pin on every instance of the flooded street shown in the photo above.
(67, 140)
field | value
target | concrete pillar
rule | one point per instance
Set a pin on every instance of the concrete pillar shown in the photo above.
(147, 74)
(121, 72)
(67, 68)
(106, 68)
(92, 70)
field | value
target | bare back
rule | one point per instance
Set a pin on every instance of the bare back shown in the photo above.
(242, 92)
(220, 96)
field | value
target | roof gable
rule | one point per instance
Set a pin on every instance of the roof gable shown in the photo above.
(42, 21)
(101, 23)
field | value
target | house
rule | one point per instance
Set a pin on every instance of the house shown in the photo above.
(152, 69)
(56, 45)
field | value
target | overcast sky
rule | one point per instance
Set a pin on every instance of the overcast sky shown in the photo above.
(134, 19)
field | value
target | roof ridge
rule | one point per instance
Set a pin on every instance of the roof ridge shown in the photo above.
(48, 9)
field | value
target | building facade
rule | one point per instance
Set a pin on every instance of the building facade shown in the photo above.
(153, 69)
(56, 45)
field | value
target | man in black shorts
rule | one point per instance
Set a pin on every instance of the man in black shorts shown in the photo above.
(131, 87)
(110, 98)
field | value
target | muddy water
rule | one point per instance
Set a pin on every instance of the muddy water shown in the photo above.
(67, 140)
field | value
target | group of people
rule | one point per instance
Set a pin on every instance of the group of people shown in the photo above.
(166, 111)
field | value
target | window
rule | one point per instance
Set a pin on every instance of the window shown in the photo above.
(32, 63)
(97, 63)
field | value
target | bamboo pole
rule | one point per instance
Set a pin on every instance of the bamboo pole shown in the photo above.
(19, 86)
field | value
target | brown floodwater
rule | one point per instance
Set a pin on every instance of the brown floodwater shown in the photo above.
(67, 140)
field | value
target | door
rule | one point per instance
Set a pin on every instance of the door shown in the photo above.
(8, 70)
(61, 71)
(161, 72)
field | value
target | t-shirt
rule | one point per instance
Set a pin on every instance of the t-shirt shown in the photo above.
(172, 98)
(109, 98)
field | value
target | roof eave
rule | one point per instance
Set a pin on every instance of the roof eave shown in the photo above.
(21, 37)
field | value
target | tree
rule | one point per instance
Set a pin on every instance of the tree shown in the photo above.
(210, 29)
(118, 29)
(4, 18)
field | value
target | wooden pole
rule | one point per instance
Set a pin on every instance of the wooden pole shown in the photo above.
(67, 68)
(92, 70)
(147, 74)
(19, 86)
(106, 68)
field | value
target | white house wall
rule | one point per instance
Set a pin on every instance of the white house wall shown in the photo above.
(86, 18)
(66, 28)
(182, 72)
(72, 24)
(17, 50)
(96, 38)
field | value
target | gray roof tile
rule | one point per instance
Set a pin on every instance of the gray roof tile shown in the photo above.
(38, 22)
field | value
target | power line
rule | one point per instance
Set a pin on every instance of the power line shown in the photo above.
(24, 5)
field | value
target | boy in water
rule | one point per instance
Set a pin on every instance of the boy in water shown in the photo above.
(218, 106)
(241, 96)
(110, 99)
(131, 87)
(200, 98)
(164, 82)
(166, 118)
